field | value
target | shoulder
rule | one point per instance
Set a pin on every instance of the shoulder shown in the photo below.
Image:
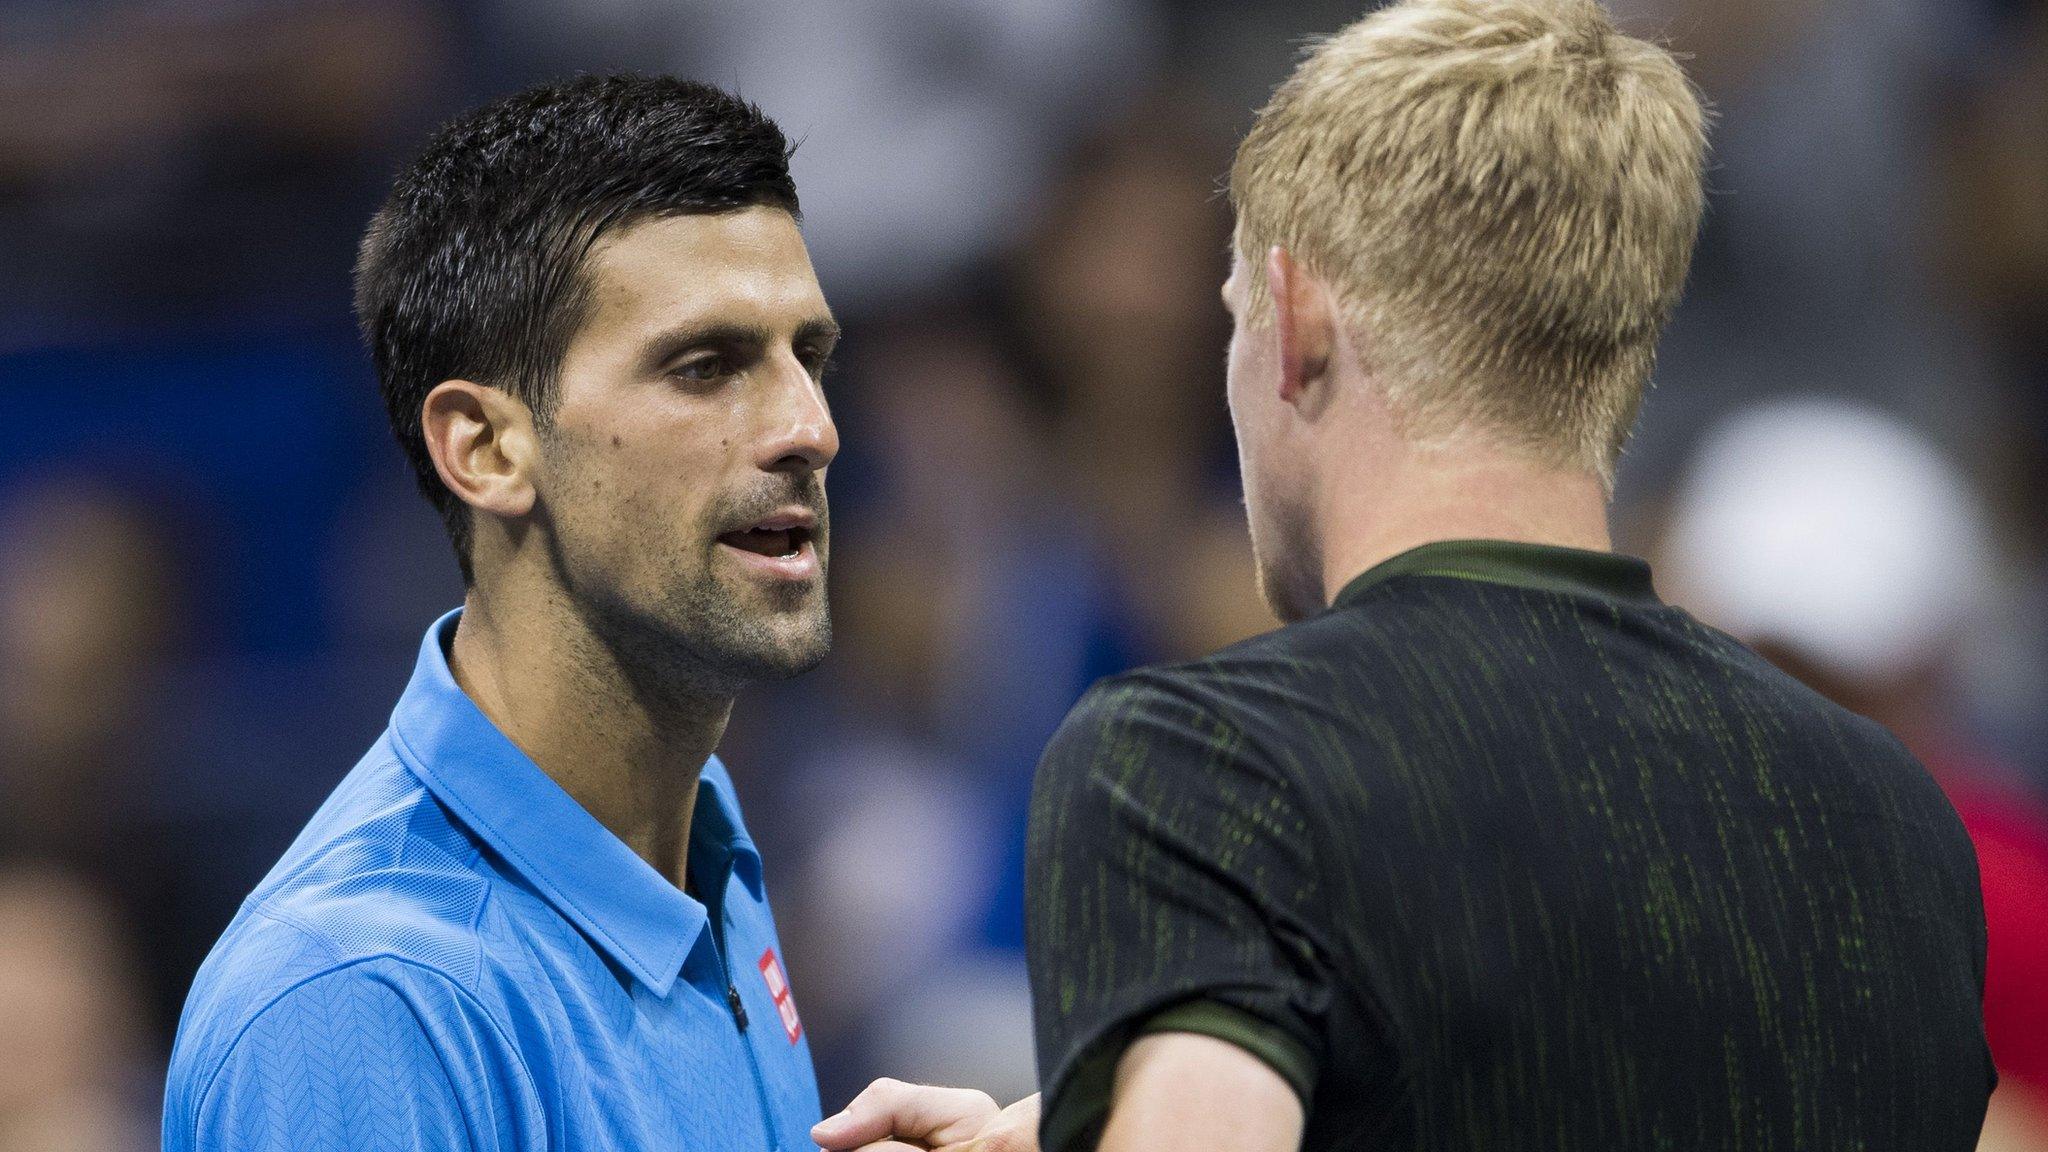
(382, 869)
(364, 1049)
(380, 873)
(1157, 718)
(1167, 749)
(1249, 703)
(1219, 688)
(1364, 652)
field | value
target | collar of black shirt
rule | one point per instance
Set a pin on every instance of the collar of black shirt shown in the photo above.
(1544, 567)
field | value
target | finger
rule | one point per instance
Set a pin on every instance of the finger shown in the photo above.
(1015, 1130)
(998, 1140)
(919, 1112)
(890, 1146)
(909, 1111)
(867, 1117)
(1002, 1136)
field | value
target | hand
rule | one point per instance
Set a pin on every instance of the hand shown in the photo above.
(891, 1116)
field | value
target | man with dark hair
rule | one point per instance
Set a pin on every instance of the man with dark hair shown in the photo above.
(531, 916)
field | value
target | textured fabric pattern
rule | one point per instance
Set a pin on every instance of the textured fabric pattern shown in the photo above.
(1518, 864)
(455, 955)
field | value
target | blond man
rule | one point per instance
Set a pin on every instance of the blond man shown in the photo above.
(1488, 848)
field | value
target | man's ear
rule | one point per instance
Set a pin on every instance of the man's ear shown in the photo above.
(483, 444)
(1306, 324)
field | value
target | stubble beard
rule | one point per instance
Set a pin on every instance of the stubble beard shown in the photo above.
(720, 638)
(706, 633)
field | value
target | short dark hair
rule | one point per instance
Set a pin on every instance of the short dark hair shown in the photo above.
(474, 266)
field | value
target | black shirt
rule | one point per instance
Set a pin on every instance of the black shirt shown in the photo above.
(1502, 853)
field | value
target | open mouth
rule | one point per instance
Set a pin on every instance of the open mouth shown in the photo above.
(778, 543)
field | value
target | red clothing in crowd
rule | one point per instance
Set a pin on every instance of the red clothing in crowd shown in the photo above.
(2010, 830)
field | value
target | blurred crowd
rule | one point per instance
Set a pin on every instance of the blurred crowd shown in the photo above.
(214, 570)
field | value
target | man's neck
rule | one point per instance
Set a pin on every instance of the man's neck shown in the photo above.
(1456, 493)
(553, 688)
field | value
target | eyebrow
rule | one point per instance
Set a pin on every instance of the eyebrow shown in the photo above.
(823, 330)
(729, 334)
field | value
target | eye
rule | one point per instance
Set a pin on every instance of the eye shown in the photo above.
(703, 369)
(817, 361)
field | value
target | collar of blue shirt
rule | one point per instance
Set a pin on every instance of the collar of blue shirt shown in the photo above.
(644, 923)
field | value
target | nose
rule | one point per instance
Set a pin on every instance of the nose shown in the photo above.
(800, 434)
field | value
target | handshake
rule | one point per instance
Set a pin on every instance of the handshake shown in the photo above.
(1169, 1090)
(891, 1116)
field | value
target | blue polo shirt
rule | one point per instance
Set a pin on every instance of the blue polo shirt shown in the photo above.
(455, 955)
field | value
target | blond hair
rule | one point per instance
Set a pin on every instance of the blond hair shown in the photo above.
(1504, 196)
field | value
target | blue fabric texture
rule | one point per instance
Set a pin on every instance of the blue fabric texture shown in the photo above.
(454, 954)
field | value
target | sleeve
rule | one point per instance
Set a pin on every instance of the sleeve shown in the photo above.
(379, 1054)
(1172, 889)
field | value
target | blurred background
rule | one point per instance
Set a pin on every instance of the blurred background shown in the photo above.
(214, 570)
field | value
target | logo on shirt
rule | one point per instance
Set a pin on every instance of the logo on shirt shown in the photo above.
(778, 990)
